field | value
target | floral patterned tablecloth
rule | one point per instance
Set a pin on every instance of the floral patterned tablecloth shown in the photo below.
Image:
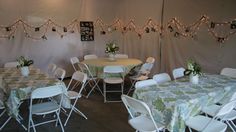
(17, 88)
(173, 102)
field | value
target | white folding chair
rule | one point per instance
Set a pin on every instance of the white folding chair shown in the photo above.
(121, 56)
(59, 73)
(161, 78)
(73, 95)
(44, 108)
(145, 83)
(92, 80)
(206, 124)
(141, 115)
(230, 72)
(178, 72)
(92, 56)
(74, 61)
(228, 117)
(112, 75)
(51, 69)
(143, 73)
(11, 64)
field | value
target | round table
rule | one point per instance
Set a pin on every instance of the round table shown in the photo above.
(96, 65)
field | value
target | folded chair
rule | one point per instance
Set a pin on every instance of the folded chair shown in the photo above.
(73, 95)
(92, 80)
(143, 73)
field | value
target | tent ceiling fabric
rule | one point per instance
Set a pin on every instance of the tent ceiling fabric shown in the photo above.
(175, 51)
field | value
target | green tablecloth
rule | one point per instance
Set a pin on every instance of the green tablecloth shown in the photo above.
(175, 101)
(96, 65)
(18, 88)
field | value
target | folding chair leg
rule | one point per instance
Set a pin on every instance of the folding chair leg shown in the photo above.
(9, 118)
(58, 119)
(131, 88)
(90, 91)
(21, 124)
(78, 111)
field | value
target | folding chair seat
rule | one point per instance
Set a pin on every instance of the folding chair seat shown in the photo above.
(73, 95)
(48, 107)
(112, 75)
(141, 115)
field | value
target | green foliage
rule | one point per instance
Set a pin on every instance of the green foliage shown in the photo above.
(24, 62)
(111, 48)
(193, 68)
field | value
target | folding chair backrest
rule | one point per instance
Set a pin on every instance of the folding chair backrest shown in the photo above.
(79, 76)
(145, 83)
(60, 73)
(51, 68)
(74, 60)
(178, 72)
(85, 69)
(92, 56)
(228, 72)
(225, 109)
(11, 64)
(113, 69)
(137, 106)
(121, 56)
(46, 92)
(150, 60)
(161, 78)
(146, 68)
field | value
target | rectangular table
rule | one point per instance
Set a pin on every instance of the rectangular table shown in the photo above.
(18, 87)
(173, 102)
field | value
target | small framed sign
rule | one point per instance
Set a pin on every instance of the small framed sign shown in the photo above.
(86, 31)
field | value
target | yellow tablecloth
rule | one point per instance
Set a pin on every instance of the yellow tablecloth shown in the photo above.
(96, 65)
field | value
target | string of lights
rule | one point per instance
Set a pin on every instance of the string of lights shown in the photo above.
(174, 26)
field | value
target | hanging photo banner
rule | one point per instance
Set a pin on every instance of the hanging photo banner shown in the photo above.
(86, 31)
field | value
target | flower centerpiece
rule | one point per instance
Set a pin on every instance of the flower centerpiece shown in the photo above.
(111, 49)
(24, 64)
(193, 71)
